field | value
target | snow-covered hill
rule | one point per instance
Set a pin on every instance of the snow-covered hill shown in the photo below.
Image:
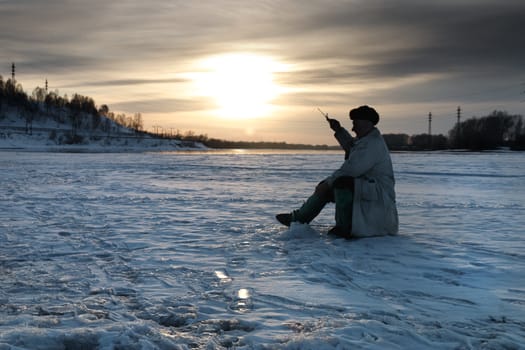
(45, 134)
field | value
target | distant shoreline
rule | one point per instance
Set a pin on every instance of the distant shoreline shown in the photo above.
(125, 149)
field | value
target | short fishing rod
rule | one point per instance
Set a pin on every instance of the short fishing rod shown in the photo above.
(324, 114)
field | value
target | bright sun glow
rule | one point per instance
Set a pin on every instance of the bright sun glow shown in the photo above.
(242, 85)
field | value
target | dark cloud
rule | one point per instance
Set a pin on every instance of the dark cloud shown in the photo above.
(394, 39)
(50, 25)
(387, 39)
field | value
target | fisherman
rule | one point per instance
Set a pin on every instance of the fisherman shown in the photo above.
(362, 188)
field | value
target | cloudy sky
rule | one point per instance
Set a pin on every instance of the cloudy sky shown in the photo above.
(258, 70)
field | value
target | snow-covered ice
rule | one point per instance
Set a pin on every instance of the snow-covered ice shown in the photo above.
(182, 251)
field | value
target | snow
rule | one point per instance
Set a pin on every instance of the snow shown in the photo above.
(180, 250)
(49, 136)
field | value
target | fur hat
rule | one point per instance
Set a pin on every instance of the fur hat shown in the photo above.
(364, 113)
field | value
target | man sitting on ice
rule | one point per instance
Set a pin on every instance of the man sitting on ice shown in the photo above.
(362, 188)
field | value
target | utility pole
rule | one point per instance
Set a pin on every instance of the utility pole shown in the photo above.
(46, 85)
(458, 126)
(13, 71)
(430, 130)
(430, 123)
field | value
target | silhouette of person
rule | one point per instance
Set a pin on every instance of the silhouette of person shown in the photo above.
(362, 188)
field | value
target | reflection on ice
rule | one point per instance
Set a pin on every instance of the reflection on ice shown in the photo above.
(222, 276)
(243, 293)
(242, 300)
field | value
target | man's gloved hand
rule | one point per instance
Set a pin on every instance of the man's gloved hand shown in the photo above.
(334, 124)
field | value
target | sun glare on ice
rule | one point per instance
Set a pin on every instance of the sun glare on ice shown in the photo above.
(241, 85)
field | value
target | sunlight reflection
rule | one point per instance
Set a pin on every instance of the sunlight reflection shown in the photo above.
(242, 300)
(222, 276)
(243, 293)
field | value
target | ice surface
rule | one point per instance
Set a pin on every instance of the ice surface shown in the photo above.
(181, 250)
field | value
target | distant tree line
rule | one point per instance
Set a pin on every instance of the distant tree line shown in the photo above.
(224, 144)
(497, 130)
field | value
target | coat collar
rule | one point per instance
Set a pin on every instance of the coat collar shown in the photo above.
(373, 133)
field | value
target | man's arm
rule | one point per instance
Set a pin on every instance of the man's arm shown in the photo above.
(342, 136)
(345, 140)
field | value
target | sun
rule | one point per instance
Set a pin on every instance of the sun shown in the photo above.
(241, 85)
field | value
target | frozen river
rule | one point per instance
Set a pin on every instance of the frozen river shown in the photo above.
(182, 251)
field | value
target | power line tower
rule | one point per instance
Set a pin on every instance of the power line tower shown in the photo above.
(430, 130)
(458, 136)
(430, 123)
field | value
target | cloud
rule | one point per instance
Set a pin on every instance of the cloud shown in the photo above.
(375, 38)
(392, 52)
(130, 82)
(411, 37)
(158, 105)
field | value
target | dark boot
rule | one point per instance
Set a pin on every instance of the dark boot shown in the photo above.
(340, 232)
(285, 219)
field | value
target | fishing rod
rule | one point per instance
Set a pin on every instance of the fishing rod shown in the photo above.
(324, 114)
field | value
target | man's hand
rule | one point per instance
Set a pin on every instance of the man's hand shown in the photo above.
(334, 124)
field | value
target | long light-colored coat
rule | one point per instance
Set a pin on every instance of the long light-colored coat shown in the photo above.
(374, 207)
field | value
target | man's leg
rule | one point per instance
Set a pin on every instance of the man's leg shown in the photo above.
(311, 208)
(344, 200)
